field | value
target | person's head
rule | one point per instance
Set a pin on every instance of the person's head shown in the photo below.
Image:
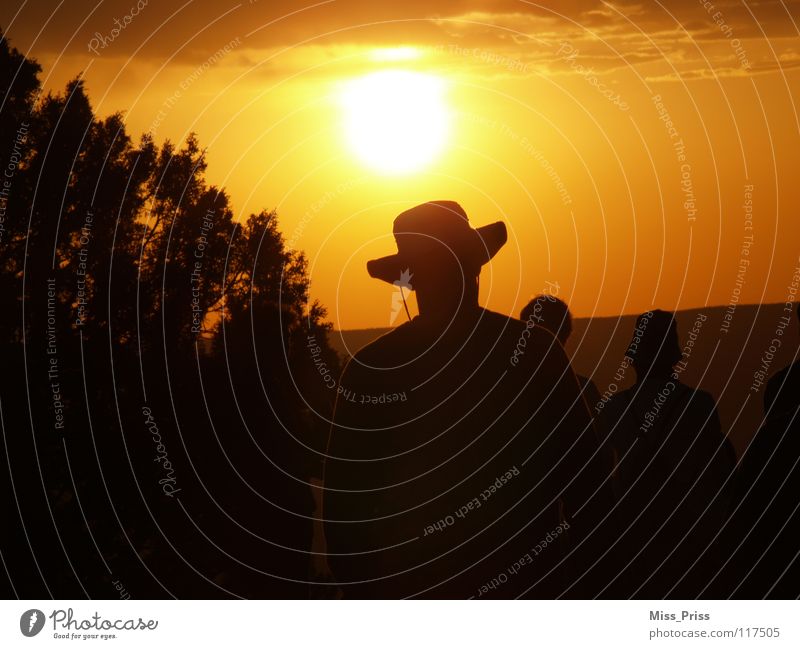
(441, 253)
(551, 313)
(654, 346)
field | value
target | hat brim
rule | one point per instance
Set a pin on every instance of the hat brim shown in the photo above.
(490, 238)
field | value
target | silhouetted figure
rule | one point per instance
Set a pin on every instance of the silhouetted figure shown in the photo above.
(765, 523)
(782, 395)
(554, 315)
(673, 465)
(461, 449)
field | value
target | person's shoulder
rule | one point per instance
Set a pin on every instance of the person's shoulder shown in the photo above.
(789, 372)
(695, 396)
(793, 368)
(588, 388)
(378, 351)
(692, 403)
(620, 399)
(493, 318)
(530, 331)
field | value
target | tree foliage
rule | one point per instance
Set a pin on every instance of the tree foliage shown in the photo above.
(126, 271)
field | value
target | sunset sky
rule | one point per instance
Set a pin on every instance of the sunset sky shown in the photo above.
(618, 141)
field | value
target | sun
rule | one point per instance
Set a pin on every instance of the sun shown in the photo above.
(396, 121)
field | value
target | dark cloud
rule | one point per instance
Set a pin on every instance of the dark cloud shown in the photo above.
(198, 25)
(614, 34)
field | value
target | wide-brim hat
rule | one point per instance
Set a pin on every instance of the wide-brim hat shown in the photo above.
(445, 226)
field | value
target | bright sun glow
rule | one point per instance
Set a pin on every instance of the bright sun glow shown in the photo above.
(396, 121)
(404, 53)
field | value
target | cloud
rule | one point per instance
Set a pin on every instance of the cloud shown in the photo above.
(608, 35)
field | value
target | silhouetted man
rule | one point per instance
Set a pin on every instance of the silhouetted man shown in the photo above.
(554, 315)
(766, 519)
(783, 390)
(673, 464)
(461, 450)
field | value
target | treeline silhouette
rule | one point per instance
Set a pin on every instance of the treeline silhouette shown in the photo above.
(161, 414)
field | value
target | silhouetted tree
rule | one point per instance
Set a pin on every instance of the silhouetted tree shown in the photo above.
(125, 267)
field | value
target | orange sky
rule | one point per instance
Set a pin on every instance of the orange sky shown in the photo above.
(590, 189)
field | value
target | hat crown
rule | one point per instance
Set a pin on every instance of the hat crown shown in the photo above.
(437, 219)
